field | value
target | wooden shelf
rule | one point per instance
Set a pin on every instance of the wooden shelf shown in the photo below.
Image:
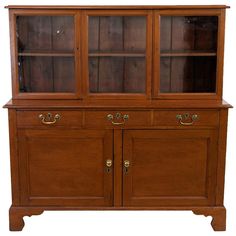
(117, 54)
(188, 54)
(46, 54)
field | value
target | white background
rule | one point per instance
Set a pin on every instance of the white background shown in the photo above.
(118, 222)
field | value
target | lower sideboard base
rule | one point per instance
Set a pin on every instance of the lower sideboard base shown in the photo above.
(16, 213)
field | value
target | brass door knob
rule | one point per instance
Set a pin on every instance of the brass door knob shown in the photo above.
(126, 166)
(108, 165)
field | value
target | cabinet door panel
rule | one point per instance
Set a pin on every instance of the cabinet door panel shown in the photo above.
(118, 48)
(188, 45)
(65, 167)
(170, 167)
(47, 55)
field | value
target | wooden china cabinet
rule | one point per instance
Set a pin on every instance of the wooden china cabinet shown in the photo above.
(117, 108)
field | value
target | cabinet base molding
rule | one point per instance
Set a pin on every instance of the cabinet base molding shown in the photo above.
(16, 214)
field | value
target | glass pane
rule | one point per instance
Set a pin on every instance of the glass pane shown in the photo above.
(117, 51)
(188, 74)
(117, 74)
(188, 54)
(46, 53)
(45, 33)
(179, 33)
(46, 74)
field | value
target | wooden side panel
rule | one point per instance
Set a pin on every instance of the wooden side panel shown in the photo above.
(14, 158)
(170, 168)
(221, 157)
(66, 167)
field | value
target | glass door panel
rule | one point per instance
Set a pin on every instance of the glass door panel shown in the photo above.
(117, 54)
(188, 74)
(188, 54)
(46, 55)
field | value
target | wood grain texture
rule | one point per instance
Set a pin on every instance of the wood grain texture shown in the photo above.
(118, 154)
(99, 119)
(110, 60)
(188, 160)
(168, 118)
(118, 7)
(120, 104)
(57, 168)
(68, 119)
(15, 186)
(221, 157)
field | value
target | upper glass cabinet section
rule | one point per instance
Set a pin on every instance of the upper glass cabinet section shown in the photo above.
(188, 54)
(46, 55)
(117, 54)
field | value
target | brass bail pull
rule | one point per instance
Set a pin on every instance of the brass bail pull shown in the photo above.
(48, 119)
(118, 116)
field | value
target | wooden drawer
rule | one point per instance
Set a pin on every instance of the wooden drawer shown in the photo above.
(45, 118)
(186, 118)
(117, 119)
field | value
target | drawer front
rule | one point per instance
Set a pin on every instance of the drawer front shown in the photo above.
(117, 119)
(45, 118)
(185, 118)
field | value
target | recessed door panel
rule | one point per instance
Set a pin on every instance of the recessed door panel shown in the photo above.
(66, 167)
(170, 167)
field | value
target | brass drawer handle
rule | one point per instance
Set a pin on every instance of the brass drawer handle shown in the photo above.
(118, 116)
(182, 118)
(48, 119)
